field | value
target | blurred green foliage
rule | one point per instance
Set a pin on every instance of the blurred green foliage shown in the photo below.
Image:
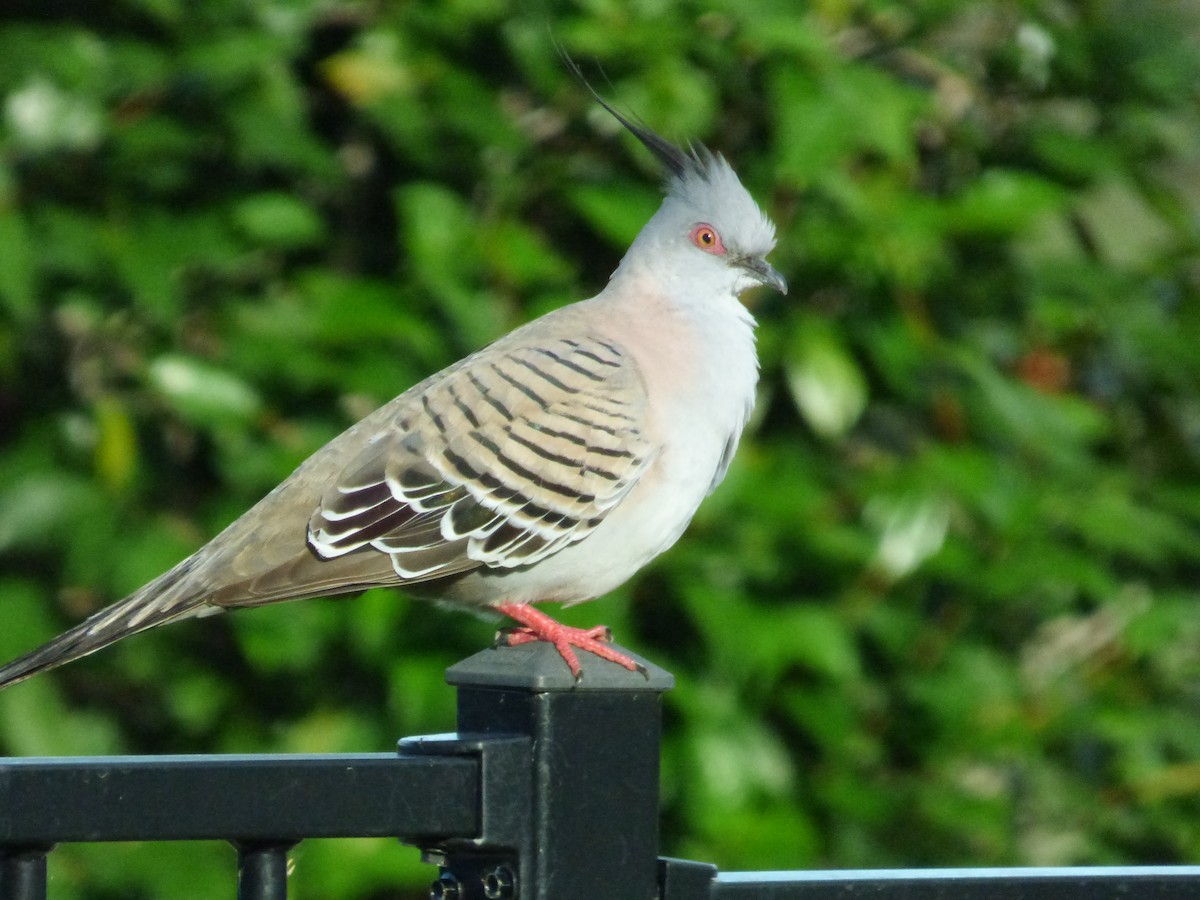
(944, 610)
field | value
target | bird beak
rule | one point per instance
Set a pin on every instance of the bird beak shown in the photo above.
(763, 272)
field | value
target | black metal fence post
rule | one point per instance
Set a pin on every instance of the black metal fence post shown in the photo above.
(262, 869)
(23, 873)
(579, 777)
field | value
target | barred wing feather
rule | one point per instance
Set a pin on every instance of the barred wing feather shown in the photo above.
(509, 458)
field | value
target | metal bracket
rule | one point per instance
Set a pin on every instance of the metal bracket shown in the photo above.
(487, 866)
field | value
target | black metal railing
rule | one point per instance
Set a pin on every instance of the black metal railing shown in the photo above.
(548, 790)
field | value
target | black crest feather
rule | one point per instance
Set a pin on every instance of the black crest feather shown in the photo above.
(676, 160)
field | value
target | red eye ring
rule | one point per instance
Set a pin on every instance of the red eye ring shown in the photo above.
(707, 239)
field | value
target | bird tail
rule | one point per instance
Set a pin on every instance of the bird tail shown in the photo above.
(170, 596)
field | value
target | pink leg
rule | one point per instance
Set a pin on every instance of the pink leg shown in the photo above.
(537, 626)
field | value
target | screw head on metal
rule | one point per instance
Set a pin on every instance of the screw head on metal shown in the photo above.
(445, 888)
(499, 883)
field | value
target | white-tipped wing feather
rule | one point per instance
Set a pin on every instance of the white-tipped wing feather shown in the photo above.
(504, 461)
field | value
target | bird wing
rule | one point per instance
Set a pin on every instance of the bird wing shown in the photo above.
(499, 461)
(508, 458)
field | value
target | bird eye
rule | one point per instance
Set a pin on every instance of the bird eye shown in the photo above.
(706, 238)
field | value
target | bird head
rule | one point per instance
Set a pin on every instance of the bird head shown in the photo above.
(708, 225)
(711, 225)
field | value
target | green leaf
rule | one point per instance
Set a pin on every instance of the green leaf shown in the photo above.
(825, 382)
(910, 531)
(1004, 201)
(279, 220)
(18, 284)
(203, 393)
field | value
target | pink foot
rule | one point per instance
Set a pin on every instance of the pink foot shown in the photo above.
(537, 626)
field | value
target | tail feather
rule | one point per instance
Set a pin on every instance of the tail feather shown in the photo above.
(190, 590)
(168, 597)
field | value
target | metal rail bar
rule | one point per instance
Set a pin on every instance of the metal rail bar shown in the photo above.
(269, 798)
(686, 880)
(1099, 883)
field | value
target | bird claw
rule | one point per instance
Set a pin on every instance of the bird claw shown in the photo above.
(537, 626)
(523, 634)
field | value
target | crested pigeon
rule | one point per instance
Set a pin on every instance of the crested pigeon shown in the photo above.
(549, 466)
